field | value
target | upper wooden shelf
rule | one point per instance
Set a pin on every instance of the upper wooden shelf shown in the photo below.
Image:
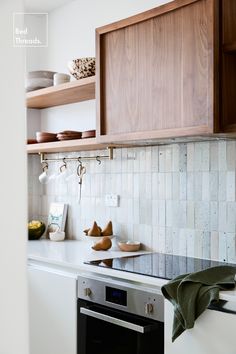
(71, 92)
(230, 47)
(66, 145)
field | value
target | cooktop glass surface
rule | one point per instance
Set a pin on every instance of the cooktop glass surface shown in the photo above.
(157, 265)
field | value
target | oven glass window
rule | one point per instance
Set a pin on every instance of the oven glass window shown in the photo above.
(96, 336)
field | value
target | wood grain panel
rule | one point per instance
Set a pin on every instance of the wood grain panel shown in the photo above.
(167, 71)
(229, 93)
(197, 64)
(229, 21)
(158, 74)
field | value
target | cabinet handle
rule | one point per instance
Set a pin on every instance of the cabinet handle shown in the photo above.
(116, 321)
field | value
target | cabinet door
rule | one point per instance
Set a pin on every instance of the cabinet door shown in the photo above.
(52, 312)
(156, 75)
(213, 333)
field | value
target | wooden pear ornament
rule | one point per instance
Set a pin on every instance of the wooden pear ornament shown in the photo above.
(107, 231)
(103, 245)
(86, 231)
(95, 230)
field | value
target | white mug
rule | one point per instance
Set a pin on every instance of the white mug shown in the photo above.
(43, 178)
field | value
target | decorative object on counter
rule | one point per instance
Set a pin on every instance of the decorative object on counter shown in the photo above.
(60, 78)
(89, 134)
(108, 230)
(32, 141)
(45, 137)
(57, 217)
(96, 230)
(39, 79)
(82, 67)
(129, 246)
(102, 245)
(69, 135)
(36, 229)
(57, 236)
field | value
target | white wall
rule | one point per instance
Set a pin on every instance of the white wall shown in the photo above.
(13, 191)
(72, 35)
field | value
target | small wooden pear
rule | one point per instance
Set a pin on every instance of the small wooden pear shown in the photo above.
(103, 245)
(107, 231)
(86, 231)
(95, 230)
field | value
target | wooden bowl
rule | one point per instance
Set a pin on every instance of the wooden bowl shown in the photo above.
(89, 134)
(129, 247)
(31, 141)
(44, 137)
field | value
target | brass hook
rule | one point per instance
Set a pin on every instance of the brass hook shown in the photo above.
(98, 160)
(45, 166)
(64, 166)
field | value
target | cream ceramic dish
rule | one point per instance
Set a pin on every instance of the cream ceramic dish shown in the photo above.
(129, 246)
(57, 236)
(95, 238)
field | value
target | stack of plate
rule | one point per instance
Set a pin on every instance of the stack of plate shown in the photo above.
(89, 134)
(39, 79)
(45, 137)
(69, 135)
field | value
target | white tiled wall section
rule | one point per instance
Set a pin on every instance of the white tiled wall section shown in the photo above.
(176, 198)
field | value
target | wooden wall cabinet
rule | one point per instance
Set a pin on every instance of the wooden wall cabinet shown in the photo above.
(164, 73)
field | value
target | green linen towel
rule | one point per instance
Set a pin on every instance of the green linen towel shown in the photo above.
(192, 293)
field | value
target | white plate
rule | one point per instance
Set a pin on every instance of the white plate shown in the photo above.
(96, 238)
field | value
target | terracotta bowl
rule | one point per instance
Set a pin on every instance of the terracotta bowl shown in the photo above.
(89, 134)
(44, 137)
(128, 246)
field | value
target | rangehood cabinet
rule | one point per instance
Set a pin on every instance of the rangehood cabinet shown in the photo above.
(168, 72)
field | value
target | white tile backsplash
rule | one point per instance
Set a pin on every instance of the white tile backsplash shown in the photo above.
(178, 198)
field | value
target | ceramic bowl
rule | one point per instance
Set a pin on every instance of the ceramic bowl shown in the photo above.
(82, 67)
(95, 239)
(129, 246)
(57, 236)
(44, 137)
(60, 78)
(38, 83)
(41, 74)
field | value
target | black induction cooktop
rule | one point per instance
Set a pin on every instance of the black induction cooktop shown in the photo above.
(157, 265)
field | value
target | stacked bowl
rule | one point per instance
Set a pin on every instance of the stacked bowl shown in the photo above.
(39, 79)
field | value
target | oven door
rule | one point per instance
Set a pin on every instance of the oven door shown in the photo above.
(103, 330)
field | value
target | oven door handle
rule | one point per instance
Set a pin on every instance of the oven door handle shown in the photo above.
(117, 321)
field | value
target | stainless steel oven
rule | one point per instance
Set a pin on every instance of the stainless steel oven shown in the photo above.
(119, 317)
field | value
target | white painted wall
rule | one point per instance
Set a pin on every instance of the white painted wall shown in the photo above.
(13, 191)
(72, 35)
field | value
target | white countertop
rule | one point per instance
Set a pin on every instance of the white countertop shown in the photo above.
(71, 254)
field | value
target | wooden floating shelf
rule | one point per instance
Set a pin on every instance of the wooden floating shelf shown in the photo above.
(67, 145)
(70, 92)
(230, 47)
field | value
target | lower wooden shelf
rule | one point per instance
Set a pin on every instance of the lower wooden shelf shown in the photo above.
(66, 145)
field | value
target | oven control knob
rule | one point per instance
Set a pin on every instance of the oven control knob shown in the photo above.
(87, 291)
(148, 309)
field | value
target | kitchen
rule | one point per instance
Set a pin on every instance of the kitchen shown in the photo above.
(173, 192)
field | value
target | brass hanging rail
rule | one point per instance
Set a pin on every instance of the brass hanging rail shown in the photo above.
(98, 158)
